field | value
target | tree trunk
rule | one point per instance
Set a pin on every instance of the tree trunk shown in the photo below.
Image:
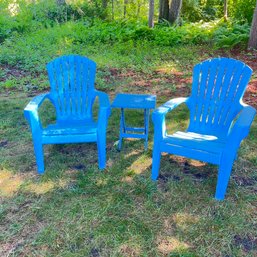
(125, 8)
(138, 8)
(175, 7)
(112, 9)
(104, 4)
(104, 8)
(225, 10)
(151, 14)
(253, 34)
(163, 10)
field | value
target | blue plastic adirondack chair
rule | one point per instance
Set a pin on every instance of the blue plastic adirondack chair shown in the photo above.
(219, 120)
(72, 94)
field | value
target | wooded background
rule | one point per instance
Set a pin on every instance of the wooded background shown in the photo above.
(17, 15)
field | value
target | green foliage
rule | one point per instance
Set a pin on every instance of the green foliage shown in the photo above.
(231, 34)
(5, 24)
(207, 10)
(242, 10)
(31, 51)
(191, 10)
(28, 16)
(196, 10)
(9, 84)
(34, 34)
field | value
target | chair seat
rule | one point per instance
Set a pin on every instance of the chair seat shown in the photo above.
(207, 143)
(74, 128)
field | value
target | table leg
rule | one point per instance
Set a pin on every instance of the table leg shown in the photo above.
(146, 118)
(122, 127)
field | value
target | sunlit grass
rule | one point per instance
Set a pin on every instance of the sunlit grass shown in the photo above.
(140, 165)
(9, 183)
(168, 245)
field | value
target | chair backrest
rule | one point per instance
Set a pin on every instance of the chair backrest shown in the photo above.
(72, 85)
(217, 91)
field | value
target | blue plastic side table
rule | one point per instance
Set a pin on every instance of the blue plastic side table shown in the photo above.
(134, 101)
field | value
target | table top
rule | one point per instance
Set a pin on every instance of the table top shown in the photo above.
(134, 101)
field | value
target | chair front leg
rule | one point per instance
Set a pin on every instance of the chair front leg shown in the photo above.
(101, 148)
(156, 152)
(39, 154)
(224, 172)
(101, 136)
(36, 130)
(156, 160)
(159, 132)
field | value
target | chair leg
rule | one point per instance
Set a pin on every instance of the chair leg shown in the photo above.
(225, 169)
(156, 163)
(122, 128)
(146, 121)
(101, 148)
(39, 153)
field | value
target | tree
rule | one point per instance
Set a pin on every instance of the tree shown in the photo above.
(175, 8)
(125, 8)
(113, 9)
(253, 34)
(151, 14)
(104, 8)
(169, 10)
(104, 4)
(139, 4)
(225, 10)
(163, 10)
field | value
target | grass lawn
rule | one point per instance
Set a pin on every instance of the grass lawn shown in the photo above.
(76, 210)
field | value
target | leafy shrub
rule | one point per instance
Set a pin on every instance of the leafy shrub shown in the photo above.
(196, 10)
(231, 34)
(31, 51)
(242, 10)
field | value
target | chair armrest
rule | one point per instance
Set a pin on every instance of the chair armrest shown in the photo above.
(31, 111)
(103, 99)
(241, 127)
(104, 108)
(168, 106)
(159, 114)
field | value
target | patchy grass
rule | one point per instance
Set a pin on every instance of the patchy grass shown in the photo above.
(76, 210)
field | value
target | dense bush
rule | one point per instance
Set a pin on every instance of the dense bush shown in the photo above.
(14, 18)
(231, 34)
(242, 10)
(25, 16)
(35, 33)
(196, 10)
(60, 39)
(207, 10)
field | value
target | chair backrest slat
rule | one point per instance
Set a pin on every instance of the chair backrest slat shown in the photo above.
(78, 93)
(72, 81)
(217, 91)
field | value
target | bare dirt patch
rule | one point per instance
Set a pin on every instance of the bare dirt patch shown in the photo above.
(12, 72)
(249, 57)
(178, 83)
